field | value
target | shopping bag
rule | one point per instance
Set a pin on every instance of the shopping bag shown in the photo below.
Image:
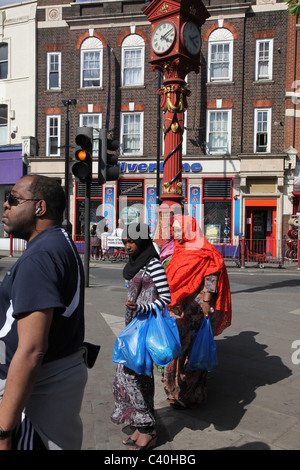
(204, 351)
(162, 341)
(130, 346)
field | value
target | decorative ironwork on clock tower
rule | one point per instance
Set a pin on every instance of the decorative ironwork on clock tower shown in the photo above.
(175, 51)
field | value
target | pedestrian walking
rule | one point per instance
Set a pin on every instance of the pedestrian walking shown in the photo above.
(42, 368)
(95, 243)
(147, 287)
(199, 287)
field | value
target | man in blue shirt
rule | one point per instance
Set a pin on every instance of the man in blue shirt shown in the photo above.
(42, 369)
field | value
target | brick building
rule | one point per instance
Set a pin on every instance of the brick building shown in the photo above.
(238, 176)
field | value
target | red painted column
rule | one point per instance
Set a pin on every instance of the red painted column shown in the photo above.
(174, 95)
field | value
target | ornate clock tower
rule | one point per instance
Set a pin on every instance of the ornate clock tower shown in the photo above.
(175, 51)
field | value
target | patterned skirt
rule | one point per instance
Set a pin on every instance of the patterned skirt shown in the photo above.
(134, 393)
(134, 398)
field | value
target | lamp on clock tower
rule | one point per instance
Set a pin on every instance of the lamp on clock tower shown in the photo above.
(175, 51)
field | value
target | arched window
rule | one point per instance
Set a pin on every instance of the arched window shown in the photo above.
(133, 58)
(91, 63)
(220, 55)
(3, 60)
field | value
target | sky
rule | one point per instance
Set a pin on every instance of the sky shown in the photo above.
(8, 2)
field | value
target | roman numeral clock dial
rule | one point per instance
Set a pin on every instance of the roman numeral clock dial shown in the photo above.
(190, 37)
(163, 37)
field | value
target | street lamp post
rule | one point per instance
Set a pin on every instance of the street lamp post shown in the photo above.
(66, 222)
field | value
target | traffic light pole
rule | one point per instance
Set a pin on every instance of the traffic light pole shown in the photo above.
(66, 222)
(86, 260)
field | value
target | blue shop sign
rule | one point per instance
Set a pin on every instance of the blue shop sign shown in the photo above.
(132, 167)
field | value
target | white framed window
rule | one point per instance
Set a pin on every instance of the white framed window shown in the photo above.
(132, 124)
(133, 59)
(262, 130)
(264, 59)
(94, 121)
(218, 131)
(53, 136)
(53, 70)
(3, 124)
(3, 60)
(91, 63)
(220, 55)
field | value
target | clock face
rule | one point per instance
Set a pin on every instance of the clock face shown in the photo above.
(163, 37)
(191, 38)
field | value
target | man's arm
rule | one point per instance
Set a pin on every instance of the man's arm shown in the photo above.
(33, 332)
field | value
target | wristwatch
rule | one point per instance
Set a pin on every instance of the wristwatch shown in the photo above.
(5, 434)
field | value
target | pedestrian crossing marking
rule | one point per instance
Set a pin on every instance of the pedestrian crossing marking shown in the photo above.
(295, 312)
(116, 323)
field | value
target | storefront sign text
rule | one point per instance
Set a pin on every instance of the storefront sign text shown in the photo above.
(132, 167)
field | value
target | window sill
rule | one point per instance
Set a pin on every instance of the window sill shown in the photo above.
(130, 87)
(92, 88)
(220, 83)
(54, 90)
(263, 82)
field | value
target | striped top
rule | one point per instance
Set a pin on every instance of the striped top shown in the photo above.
(157, 272)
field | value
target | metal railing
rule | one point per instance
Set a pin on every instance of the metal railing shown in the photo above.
(240, 252)
(261, 252)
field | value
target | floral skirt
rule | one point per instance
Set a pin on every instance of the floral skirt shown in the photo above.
(134, 398)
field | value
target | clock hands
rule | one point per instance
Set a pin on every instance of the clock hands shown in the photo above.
(166, 34)
(194, 40)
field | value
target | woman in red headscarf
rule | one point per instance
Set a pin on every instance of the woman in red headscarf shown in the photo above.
(199, 287)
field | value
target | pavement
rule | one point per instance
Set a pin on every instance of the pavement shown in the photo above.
(253, 394)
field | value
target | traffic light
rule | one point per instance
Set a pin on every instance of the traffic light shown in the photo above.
(82, 168)
(107, 162)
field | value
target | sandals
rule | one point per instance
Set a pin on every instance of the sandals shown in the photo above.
(129, 442)
(149, 444)
(178, 405)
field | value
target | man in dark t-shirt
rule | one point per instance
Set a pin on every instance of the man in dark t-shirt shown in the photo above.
(42, 371)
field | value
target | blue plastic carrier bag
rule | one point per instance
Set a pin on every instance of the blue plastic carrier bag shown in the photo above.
(204, 351)
(130, 346)
(162, 342)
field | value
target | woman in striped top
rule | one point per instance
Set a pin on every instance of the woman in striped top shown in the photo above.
(147, 287)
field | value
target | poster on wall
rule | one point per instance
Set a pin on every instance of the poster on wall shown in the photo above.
(150, 208)
(213, 233)
(109, 208)
(194, 203)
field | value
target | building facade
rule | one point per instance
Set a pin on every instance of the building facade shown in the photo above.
(238, 168)
(17, 95)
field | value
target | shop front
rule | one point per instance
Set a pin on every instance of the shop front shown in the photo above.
(12, 169)
(134, 197)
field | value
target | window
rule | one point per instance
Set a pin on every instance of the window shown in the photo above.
(53, 70)
(133, 57)
(3, 61)
(264, 59)
(219, 131)
(220, 55)
(132, 133)
(262, 130)
(91, 63)
(94, 121)
(3, 124)
(217, 203)
(53, 136)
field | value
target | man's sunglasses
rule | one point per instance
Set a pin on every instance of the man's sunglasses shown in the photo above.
(14, 200)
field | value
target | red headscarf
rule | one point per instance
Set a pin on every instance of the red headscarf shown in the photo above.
(191, 262)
